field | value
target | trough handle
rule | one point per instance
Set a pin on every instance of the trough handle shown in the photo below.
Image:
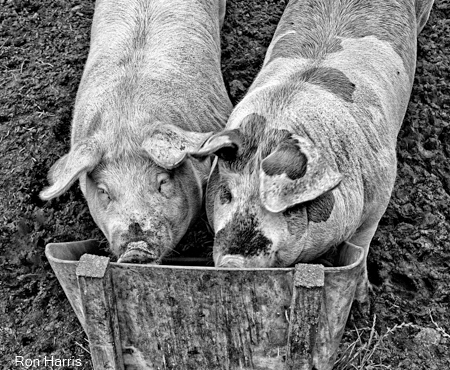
(100, 313)
(306, 303)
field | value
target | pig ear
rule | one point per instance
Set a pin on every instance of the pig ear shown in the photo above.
(169, 145)
(83, 157)
(225, 145)
(295, 173)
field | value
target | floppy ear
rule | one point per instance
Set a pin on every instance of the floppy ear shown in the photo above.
(294, 173)
(83, 157)
(225, 145)
(169, 145)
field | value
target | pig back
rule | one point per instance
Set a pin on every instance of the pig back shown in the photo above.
(349, 48)
(340, 73)
(158, 60)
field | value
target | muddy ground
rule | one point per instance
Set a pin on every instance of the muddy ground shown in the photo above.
(43, 47)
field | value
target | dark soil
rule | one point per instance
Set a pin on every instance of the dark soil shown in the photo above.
(43, 47)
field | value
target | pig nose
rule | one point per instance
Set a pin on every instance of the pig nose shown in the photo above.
(135, 229)
(230, 261)
(138, 252)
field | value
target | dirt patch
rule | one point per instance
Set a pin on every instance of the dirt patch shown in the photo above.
(43, 48)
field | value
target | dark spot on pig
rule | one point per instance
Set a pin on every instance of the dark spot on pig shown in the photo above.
(295, 45)
(296, 219)
(319, 26)
(272, 138)
(251, 133)
(286, 159)
(319, 209)
(387, 21)
(333, 45)
(331, 79)
(242, 237)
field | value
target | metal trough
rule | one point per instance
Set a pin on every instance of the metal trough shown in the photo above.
(142, 317)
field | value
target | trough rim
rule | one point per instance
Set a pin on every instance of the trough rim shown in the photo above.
(50, 247)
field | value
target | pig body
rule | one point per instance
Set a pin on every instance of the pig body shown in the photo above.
(151, 91)
(308, 158)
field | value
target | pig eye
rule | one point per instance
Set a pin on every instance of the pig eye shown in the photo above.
(164, 183)
(225, 194)
(103, 194)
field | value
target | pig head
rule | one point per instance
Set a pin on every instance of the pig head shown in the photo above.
(144, 200)
(272, 197)
(307, 159)
(151, 92)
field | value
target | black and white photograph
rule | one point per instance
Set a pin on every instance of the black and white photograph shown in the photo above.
(225, 184)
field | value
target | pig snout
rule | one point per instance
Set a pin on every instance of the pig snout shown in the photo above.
(138, 252)
(228, 261)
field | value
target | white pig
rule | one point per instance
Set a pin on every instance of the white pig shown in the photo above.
(307, 159)
(151, 91)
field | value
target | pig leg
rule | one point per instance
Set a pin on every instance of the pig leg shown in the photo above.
(362, 238)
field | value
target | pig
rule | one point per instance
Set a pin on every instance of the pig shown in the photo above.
(307, 159)
(151, 92)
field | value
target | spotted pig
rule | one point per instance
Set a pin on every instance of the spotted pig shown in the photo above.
(307, 159)
(151, 91)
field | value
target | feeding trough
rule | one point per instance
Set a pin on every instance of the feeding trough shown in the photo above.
(145, 317)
